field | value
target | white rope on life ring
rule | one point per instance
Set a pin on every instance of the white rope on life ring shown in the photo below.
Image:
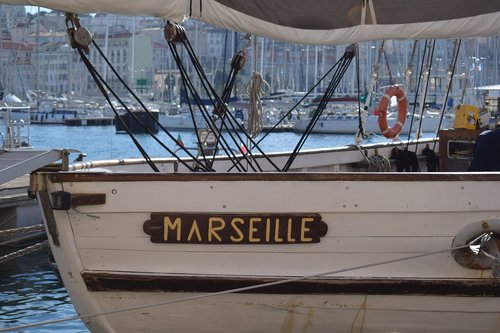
(391, 132)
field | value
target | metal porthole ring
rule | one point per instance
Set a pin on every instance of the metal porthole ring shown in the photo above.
(465, 256)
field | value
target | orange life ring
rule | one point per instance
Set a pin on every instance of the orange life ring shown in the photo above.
(391, 132)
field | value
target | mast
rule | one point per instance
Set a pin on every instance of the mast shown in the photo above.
(262, 56)
(106, 46)
(316, 69)
(272, 66)
(307, 68)
(37, 70)
(132, 76)
(2, 70)
(322, 65)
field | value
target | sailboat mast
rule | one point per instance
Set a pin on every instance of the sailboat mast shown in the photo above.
(106, 45)
(316, 69)
(1, 62)
(262, 56)
(307, 68)
(133, 53)
(272, 66)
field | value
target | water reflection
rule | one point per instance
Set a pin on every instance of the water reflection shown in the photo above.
(30, 293)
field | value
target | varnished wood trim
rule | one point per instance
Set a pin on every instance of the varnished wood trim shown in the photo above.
(229, 177)
(365, 148)
(44, 199)
(87, 199)
(142, 283)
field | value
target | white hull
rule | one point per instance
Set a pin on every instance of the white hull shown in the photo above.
(240, 313)
(42, 117)
(350, 125)
(181, 121)
(184, 122)
(108, 261)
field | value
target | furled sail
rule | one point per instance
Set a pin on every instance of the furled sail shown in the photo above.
(312, 21)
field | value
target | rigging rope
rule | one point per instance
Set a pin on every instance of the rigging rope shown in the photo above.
(417, 89)
(255, 90)
(15, 231)
(426, 69)
(345, 61)
(427, 75)
(236, 290)
(361, 132)
(373, 81)
(217, 101)
(25, 251)
(409, 70)
(221, 140)
(84, 49)
(299, 102)
(450, 76)
(148, 112)
(178, 35)
(100, 82)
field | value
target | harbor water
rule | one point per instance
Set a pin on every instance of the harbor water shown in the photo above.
(102, 142)
(29, 290)
(30, 293)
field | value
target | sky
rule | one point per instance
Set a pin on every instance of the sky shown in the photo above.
(34, 9)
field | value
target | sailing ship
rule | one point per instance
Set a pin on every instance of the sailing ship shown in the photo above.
(323, 243)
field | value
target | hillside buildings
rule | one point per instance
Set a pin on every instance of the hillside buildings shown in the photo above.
(35, 56)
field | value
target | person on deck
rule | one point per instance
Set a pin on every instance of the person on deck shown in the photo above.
(486, 152)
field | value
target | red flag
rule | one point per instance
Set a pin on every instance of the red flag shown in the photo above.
(179, 142)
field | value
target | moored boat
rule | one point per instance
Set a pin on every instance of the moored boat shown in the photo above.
(341, 256)
(349, 124)
(247, 246)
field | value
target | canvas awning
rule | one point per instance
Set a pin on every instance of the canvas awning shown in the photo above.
(312, 21)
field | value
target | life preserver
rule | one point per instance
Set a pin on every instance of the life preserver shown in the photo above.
(391, 132)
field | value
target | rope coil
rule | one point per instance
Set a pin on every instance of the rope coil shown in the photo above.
(255, 90)
(379, 163)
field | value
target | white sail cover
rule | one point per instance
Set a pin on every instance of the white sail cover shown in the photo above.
(312, 21)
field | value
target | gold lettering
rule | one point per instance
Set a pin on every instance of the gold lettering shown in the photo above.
(304, 229)
(252, 230)
(289, 232)
(277, 238)
(167, 225)
(268, 230)
(265, 228)
(237, 229)
(212, 230)
(194, 230)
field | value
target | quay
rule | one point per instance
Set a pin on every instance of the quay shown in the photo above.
(17, 208)
(98, 121)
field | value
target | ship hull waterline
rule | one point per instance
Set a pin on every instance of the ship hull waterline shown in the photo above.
(108, 262)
